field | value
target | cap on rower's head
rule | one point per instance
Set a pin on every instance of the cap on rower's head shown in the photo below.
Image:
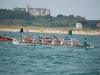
(34, 36)
(5, 35)
(85, 38)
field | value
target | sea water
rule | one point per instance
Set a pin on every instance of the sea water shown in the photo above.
(49, 59)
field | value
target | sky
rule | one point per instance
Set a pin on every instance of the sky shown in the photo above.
(90, 9)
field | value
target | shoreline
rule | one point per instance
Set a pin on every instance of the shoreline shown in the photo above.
(51, 30)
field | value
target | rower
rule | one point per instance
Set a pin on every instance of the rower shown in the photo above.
(35, 40)
(5, 37)
(73, 43)
(63, 42)
(1, 38)
(44, 40)
(12, 37)
(28, 39)
(55, 41)
(23, 38)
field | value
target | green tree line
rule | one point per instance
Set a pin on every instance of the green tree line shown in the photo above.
(10, 17)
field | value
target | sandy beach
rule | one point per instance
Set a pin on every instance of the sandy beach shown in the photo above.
(51, 30)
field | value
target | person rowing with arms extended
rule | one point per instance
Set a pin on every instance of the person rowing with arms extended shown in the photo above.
(35, 40)
(73, 43)
(61, 41)
(46, 40)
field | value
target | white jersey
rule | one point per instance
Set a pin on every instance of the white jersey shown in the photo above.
(62, 42)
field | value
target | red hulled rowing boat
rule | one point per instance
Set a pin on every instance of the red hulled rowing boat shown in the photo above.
(5, 39)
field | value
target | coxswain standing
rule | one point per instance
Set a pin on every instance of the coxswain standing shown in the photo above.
(85, 42)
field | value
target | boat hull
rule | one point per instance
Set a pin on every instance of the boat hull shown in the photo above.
(19, 42)
(5, 39)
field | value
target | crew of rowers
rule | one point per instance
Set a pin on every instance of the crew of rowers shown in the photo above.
(48, 40)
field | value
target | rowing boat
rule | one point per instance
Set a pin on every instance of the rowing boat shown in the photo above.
(5, 39)
(19, 42)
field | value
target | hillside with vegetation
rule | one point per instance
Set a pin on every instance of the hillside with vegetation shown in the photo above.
(21, 18)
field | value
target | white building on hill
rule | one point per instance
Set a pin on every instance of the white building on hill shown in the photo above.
(79, 25)
(34, 11)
